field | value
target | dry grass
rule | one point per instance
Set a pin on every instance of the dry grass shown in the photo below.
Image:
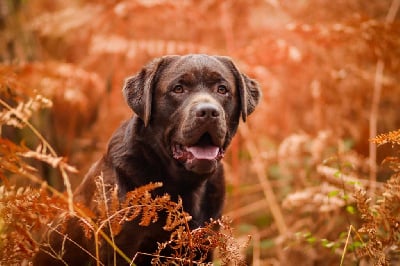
(302, 176)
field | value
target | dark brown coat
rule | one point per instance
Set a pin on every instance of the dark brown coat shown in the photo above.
(187, 111)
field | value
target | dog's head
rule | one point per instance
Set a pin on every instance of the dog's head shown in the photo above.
(192, 105)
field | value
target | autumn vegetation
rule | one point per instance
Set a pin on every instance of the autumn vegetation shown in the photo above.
(313, 178)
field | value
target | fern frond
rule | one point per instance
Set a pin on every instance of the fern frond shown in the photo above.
(380, 223)
(392, 137)
(41, 154)
(23, 212)
(393, 163)
(113, 44)
(59, 23)
(193, 247)
(23, 111)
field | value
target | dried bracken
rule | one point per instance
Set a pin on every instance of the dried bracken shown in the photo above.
(392, 137)
(24, 212)
(23, 112)
(329, 72)
(193, 247)
(380, 228)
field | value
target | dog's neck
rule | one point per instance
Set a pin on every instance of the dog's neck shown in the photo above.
(192, 203)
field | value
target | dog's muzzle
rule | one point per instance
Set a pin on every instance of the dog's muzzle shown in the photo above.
(202, 136)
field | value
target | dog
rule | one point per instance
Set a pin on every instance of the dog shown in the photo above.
(187, 110)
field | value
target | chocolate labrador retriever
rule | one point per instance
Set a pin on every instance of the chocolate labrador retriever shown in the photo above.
(187, 111)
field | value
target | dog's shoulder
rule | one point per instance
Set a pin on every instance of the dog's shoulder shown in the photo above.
(121, 165)
(104, 169)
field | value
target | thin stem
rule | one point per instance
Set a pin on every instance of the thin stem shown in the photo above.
(260, 169)
(31, 127)
(52, 152)
(373, 122)
(345, 246)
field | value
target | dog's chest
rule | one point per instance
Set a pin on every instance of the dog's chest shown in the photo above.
(193, 204)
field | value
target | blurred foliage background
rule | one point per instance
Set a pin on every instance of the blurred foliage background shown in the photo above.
(329, 72)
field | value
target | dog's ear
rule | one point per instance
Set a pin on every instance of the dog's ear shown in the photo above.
(249, 90)
(138, 89)
(250, 95)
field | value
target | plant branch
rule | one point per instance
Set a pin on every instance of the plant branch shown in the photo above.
(52, 152)
(373, 122)
(260, 169)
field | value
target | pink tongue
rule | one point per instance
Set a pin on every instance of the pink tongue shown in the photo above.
(208, 152)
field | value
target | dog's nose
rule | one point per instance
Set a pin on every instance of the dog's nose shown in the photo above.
(206, 110)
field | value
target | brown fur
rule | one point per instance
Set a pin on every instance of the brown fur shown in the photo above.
(180, 102)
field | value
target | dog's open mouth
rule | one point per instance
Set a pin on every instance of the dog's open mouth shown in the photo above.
(204, 149)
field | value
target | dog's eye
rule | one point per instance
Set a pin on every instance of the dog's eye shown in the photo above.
(178, 89)
(222, 89)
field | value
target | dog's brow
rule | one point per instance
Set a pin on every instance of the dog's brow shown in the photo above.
(213, 77)
(188, 79)
(205, 76)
